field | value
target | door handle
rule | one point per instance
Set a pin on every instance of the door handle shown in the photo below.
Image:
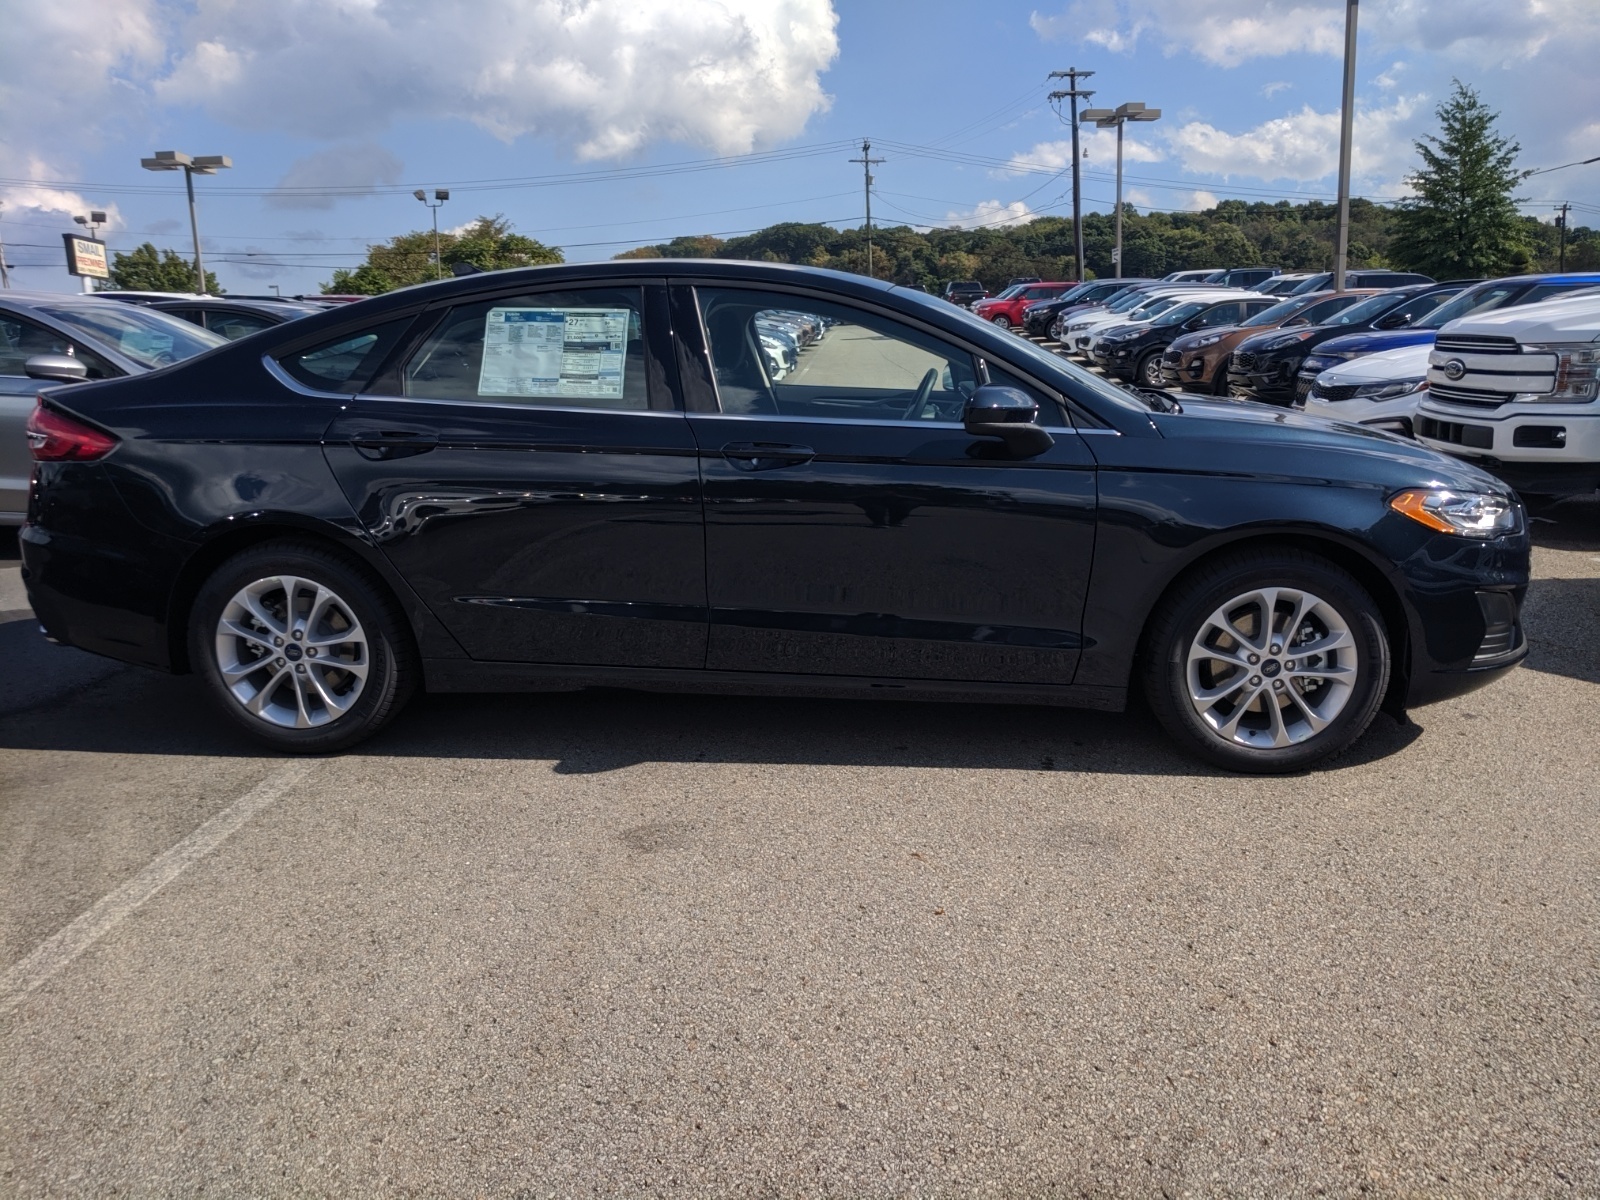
(394, 443)
(766, 456)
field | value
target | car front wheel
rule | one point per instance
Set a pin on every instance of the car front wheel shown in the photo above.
(301, 649)
(1002, 320)
(1267, 661)
(1149, 370)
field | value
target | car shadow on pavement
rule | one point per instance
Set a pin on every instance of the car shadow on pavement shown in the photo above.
(1562, 619)
(589, 732)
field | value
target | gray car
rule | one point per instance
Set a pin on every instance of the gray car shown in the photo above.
(47, 340)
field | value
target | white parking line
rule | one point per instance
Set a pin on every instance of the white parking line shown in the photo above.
(57, 952)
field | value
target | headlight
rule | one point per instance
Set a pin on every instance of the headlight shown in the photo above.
(1577, 372)
(1469, 514)
(1077, 325)
(1211, 339)
(1388, 391)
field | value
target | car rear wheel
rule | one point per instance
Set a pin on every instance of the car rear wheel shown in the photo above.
(301, 649)
(1267, 661)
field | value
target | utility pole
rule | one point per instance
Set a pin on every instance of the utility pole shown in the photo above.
(5, 270)
(867, 163)
(1341, 253)
(1561, 224)
(1072, 93)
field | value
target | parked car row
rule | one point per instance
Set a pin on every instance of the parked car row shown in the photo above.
(783, 335)
(1502, 371)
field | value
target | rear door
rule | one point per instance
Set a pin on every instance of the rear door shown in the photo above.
(853, 527)
(527, 468)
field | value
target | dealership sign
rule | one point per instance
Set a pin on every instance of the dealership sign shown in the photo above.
(86, 256)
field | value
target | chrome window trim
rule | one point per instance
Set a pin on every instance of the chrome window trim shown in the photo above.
(275, 369)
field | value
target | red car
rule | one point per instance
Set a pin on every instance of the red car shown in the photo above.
(1006, 308)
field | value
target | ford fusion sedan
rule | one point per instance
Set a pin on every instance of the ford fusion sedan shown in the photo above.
(584, 475)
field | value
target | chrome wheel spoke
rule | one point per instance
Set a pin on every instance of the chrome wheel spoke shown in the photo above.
(330, 639)
(1244, 663)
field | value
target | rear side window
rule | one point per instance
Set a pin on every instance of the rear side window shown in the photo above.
(235, 325)
(570, 349)
(348, 362)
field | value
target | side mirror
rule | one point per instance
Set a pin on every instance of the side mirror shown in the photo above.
(1393, 320)
(1009, 414)
(1194, 323)
(61, 367)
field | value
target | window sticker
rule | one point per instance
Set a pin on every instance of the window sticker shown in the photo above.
(554, 352)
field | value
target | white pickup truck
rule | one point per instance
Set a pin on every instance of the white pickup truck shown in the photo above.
(1518, 391)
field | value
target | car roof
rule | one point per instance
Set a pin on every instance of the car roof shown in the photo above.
(221, 302)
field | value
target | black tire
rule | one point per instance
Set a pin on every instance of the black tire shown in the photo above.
(1148, 371)
(386, 647)
(1185, 615)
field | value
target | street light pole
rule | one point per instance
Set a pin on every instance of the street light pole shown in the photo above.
(440, 195)
(5, 269)
(203, 164)
(1341, 252)
(1106, 118)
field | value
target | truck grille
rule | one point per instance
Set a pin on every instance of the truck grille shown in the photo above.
(1468, 397)
(1477, 343)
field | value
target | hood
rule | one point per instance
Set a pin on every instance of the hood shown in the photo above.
(1296, 444)
(1191, 341)
(1371, 343)
(1569, 319)
(1406, 362)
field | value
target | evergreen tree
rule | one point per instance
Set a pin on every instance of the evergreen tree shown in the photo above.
(147, 270)
(1463, 220)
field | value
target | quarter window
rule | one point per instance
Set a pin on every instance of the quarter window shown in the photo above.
(791, 356)
(576, 349)
(349, 361)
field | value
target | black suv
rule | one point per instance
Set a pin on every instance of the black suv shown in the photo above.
(964, 292)
(1266, 366)
(1135, 353)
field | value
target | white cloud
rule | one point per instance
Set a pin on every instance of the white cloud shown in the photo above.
(1269, 90)
(1224, 32)
(1200, 200)
(1390, 79)
(1101, 148)
(65, 67)
(607, 77)
(1301, 146)
(991, 214)
(357, 166)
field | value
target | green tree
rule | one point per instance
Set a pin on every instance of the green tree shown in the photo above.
(144, 269)
(1463, 221)
(487, 244)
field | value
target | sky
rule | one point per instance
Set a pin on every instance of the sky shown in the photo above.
(597, 125)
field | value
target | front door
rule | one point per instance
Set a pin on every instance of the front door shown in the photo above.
(852, 526)
(528, 471)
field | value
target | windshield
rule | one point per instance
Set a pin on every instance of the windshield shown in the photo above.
(1009, 292)
(1372, 306)
(1276, 315)
(1150, 308)
(1478, 300)
(1124, 303)
(151, 339)
(1180, 314)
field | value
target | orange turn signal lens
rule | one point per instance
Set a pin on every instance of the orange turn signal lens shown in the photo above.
(1413, 504)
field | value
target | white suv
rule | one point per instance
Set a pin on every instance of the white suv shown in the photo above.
(1518, 390)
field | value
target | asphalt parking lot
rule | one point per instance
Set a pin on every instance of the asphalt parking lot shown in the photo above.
(634, 944)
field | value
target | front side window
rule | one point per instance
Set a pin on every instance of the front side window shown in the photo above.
(570, 349)
(784, 355)
(20, 340)
(235, 325)
(1219, 314)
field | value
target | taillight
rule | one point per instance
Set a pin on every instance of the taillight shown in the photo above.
(55, 437)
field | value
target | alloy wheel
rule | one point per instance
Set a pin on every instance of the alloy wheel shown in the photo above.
(291, 652)
(1271, 668)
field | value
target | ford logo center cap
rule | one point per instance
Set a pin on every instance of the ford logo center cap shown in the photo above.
(1454, 369)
